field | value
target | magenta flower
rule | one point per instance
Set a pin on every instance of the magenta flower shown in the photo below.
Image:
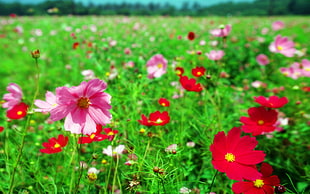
(156, 66)
(262, 59)
(14, 96)
(283, 45)
(292, 72)
(48, 105)
(84, 107)
(215, 55)
(222, 31)
(277, 25)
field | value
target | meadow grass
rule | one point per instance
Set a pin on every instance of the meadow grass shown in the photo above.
(195, 117)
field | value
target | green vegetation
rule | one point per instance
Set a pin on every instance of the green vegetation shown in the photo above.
(195, 117)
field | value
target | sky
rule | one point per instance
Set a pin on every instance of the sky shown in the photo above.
(176, 3)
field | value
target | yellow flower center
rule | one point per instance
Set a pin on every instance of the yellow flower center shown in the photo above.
(57, 145)
(92, 136)
(199, 73)
(159, 121)
(260, 122)
(259, 183)
(19, 112)
(111, 133)
(280, 48)
(142, 130)
(163, 104)
(307, 69)
(92, 176)
(230, 157)
(83, 102)
(160, 65)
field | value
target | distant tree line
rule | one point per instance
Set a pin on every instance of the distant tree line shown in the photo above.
(69, 7)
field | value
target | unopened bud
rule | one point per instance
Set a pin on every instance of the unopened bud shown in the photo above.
(35, 54)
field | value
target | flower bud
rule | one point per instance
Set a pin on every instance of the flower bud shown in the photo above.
(35, 54)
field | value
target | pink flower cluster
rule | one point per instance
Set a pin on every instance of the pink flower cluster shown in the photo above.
(297, 70)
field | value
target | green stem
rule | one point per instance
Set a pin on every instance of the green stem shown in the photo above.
(20, 153)
(115, 172)
(213, 179)
(78, 148)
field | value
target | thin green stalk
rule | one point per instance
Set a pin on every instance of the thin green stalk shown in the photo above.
(72, 162)
(115, 173)
(20, 153)
(80, 169)
(213, 179)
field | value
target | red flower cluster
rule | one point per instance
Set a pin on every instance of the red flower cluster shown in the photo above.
(155, 119)
(264, 184)
(97, 136)
(54, 145)
(263, 119)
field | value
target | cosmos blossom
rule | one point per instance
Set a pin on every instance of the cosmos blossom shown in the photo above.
(179, 71)
(18, 111)
(48, 105)
(156, 118)
(282, 45)
(262, 59)
(234, 155)
(198, 71)
(96, 136)
(215, 55)
(164, 102)
(277, 25)
(14, 96)
(191, 36)
(83, 107)
(190, 84)
(272, 101)
(156, 66)
(114, 152)
(54, 145)
(261, 120)
(265, 184)
(222, 31)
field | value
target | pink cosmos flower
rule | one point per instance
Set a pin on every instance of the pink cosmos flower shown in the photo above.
(292, 72)
(272, 101)
(277, 25)
(84, 107)
(262, 59)
(222, 31)
(283, 45)
(156, 66)
(215, 55)
(88, 74)
(48, 105)
(14, 96)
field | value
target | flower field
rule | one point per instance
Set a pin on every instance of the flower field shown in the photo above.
(154, 104)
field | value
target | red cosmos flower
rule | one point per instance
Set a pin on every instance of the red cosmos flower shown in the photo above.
(191, 36)
(18, 111)
(155, 118)
(1, 129)
(234, 155)
(260, 120)
(179, 71)
(97, 136)
(54, 145)
(75, 45)
(271, 102)
(190, 84)
(264, 184)
(198, 71)
(164, 102)
(110, 133)
(306, 88)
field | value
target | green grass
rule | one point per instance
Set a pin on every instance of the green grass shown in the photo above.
(196, 117)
